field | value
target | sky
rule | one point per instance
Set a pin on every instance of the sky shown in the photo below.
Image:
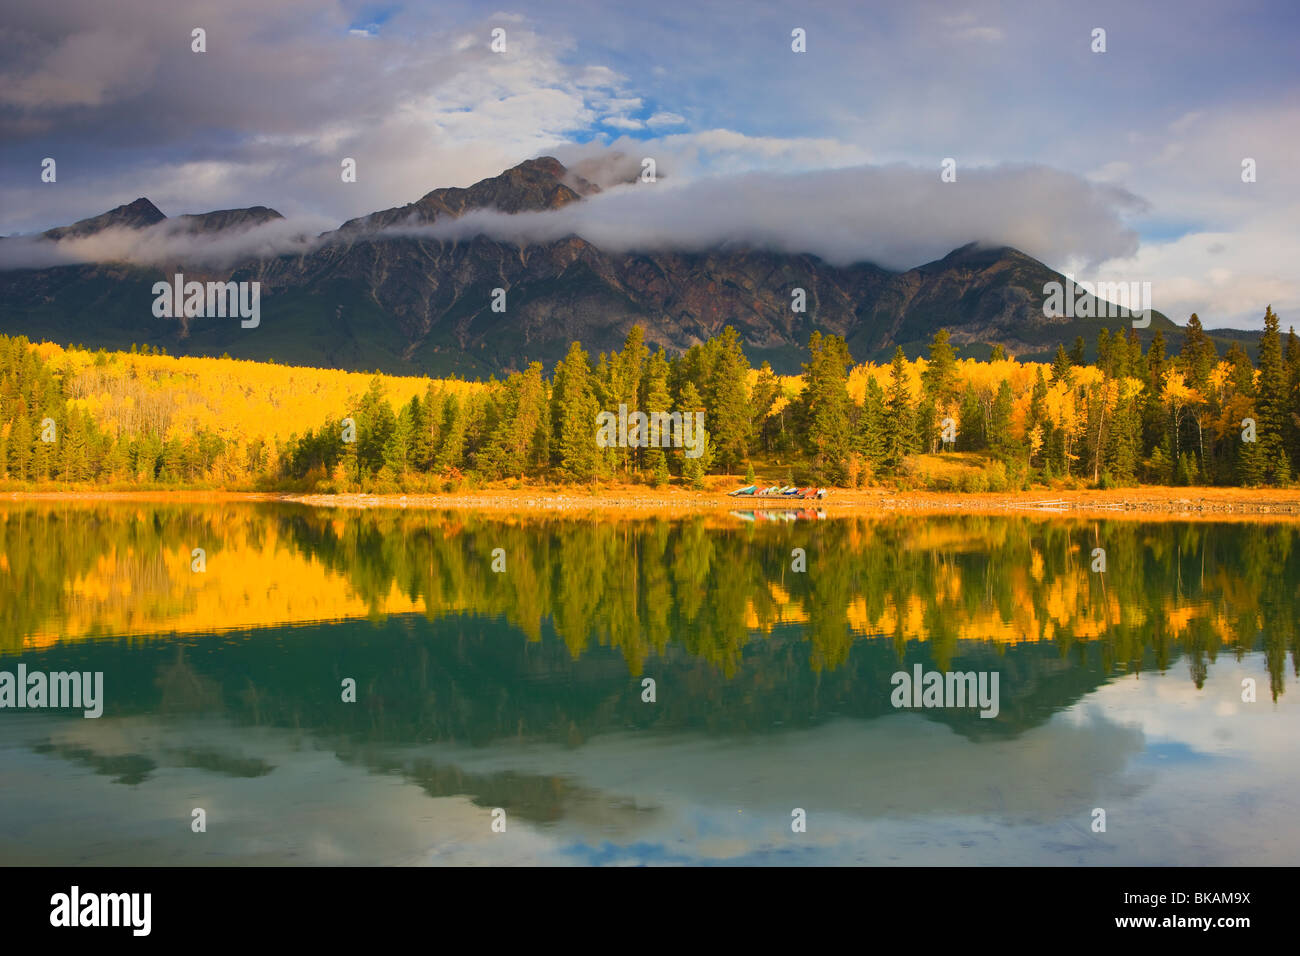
(1123, 165)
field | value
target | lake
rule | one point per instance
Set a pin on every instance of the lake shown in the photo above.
(393, 686)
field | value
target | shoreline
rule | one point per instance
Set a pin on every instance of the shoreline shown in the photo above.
(1272, 504)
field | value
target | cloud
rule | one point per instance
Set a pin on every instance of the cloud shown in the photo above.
(285, 91)
(84, 69)
(622, 122)
(705, 153)
(165, 243)
(894, 216)
(1226, 278)
(664, 118)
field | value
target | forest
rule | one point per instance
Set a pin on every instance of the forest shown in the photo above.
(70, 417)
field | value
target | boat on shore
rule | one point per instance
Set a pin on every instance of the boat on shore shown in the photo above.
(777, 491)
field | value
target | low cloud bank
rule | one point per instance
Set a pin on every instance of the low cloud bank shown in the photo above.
(895, 216)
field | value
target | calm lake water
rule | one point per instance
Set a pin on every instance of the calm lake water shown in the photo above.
(522, 690)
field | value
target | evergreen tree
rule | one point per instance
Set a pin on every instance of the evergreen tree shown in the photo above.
(1271, 401)
(695, 465)
(871, 423)
(900, 427)
(826, 402)
(1037, 426)
(1061, 366)
(1121, 447)
(515, 442)
(75, 465)
(20, 451)
(421, 436)
(1003, 443)
(451, 450)
(970, 434)
(1078, 352)
(626, 370)
(940, 391)
(397, 447)
(728, 401)
(940, 375)
(655, 397)
(768, 421)
(1293, 391)
(575, 407)
(1198, 355)
(375, 423)
(1155, 417)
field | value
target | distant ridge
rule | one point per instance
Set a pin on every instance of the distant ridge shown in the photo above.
(366, 299)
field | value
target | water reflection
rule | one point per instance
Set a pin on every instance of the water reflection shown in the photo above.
(522, 690)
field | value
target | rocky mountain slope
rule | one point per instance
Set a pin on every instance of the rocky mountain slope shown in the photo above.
(374, 295)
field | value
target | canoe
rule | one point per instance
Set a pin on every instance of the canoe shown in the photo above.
(777, 491)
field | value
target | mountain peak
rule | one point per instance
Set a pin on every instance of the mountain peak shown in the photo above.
(221, 219)
(534, 185)
(133, 215)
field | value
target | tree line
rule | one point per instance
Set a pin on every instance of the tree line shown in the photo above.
(1132, 416)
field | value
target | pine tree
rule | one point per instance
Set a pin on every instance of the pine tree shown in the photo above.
(1061, 366)
(768, 425)
(421, 437)
(940, 388)
(696, 464)
(451, 449)
(1037, 427)
(871, 423)
(626, 370)
(1155, 418)
(1293, 391)
(1198, 355)
(1079, 352)
(655, 397)
(900, 426)
(1121, 449)
(970, 434)
(375, 423)
(1243, 464)
(397, 447)
(1271, 404)
(522, 425)
(940, 375)
(20, 442)
(728, 401)
(75, 464)
(575, 401)
(1002, 442)
(1105, 353)
(826, 404)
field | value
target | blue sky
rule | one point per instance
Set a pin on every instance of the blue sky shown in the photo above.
(1148, 136)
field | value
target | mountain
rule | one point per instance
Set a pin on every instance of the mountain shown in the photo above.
(364, 298)
(535, 185)
(134, 215)
(223, 219)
